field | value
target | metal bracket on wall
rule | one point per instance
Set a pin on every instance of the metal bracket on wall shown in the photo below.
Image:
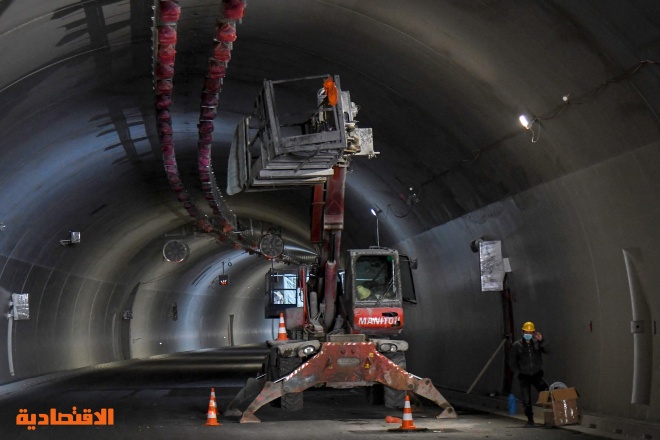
(637, 327)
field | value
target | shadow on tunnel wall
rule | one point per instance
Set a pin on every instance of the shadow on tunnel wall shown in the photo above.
(5, 5)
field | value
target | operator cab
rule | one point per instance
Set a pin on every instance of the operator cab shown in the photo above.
(372, 297)
(374, 279)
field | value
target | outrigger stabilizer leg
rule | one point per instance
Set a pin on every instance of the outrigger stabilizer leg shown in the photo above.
(339, 365)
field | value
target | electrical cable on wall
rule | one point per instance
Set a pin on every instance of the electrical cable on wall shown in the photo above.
(587, 97)
(535, 121)
(567, 102)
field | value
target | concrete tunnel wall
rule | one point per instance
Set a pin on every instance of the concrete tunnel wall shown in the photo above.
(565, 240)
(579, 243)
(77, 321)
(566, 245)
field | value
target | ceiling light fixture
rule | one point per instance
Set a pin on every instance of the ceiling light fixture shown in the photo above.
(529, 125)
(525, 123)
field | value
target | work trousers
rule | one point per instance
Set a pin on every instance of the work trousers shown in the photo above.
(526, 382)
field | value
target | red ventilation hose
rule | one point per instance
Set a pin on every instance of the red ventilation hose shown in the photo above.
(225, 35)
(165, 57)
(168, 16)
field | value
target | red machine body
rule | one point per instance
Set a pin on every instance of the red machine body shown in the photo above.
(345, 320)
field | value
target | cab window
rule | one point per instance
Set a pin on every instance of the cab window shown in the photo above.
(374, 278)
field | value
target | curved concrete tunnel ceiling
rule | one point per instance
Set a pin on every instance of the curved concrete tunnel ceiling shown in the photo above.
(441, 83)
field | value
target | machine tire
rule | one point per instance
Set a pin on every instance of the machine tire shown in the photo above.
(395, 398)
(270, 365)
(290, 401)
(375, 394)
(270, 368)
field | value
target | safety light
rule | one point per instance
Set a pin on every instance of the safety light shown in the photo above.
(306, 351)
(387, 347)
(525, 123)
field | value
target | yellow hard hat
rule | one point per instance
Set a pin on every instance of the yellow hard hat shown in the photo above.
(529, 326)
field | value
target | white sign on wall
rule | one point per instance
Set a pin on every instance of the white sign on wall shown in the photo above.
(492, 266)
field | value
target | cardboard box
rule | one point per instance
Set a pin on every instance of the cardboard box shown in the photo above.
(559, 406)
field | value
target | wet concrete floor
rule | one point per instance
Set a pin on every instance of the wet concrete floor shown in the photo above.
(167, 398)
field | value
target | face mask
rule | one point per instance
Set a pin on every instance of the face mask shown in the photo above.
(527, 337)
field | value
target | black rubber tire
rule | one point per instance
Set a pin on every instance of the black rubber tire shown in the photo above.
(395, 398)
(375, 394)
(270, 365)
(290, 401)
(270, 368)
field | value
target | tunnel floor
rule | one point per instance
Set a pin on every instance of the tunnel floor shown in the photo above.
(167, 397)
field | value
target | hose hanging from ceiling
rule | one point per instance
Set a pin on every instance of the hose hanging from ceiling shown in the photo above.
(166, 18)
(167, 14)
(232, 11)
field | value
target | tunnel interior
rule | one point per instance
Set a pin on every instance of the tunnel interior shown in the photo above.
(573, 198)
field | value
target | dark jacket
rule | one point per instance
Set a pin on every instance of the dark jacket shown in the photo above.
(527, 358)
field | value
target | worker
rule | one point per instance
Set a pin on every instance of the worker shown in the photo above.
(526, 359)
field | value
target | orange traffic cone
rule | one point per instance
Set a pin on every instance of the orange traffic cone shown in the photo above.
(391, 419)
(215, 404)
(281, 331)
(407, 422)
(211, 416)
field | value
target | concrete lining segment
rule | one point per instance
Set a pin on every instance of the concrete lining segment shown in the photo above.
(22, 385)
(27, 384)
